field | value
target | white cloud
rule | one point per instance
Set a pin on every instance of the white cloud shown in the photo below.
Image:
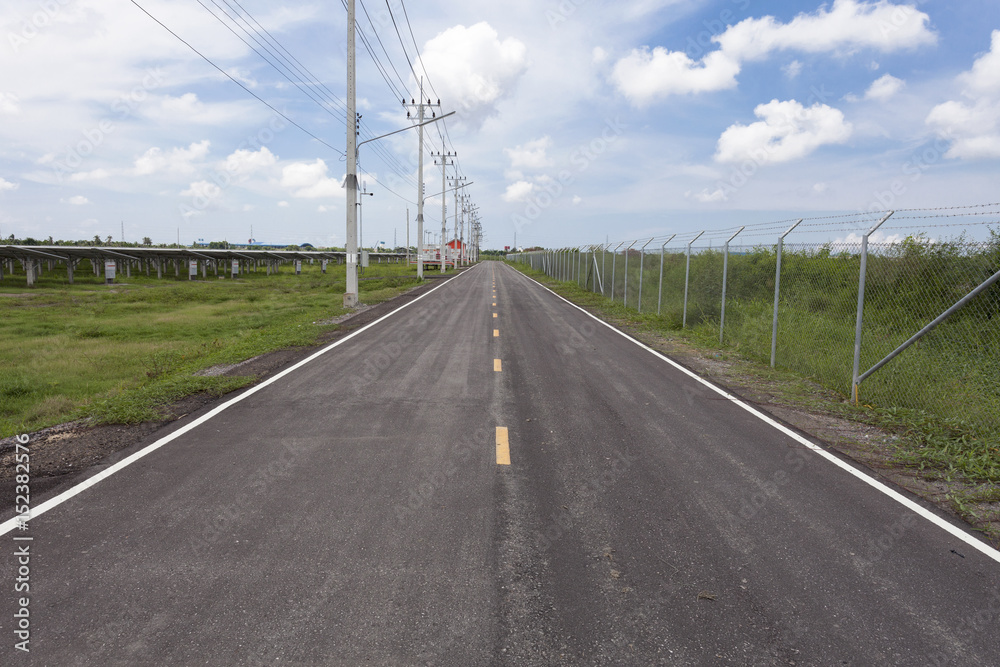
(7, 186)
(599, 55)
(283, 204)
(792, 69)
(9, 103)
(973, 126)
(705, 196)
(473, 69)
(518, 192)
(309, 180)
(177, 161)
(244, 162)
(642, 76)
(78, 200)
(787, 131)
(884, 87)
(847, 26)
(202, 190)
(577, 199)
(530, 155)
(93, 175)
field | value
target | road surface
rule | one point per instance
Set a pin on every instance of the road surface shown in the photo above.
(489, 476)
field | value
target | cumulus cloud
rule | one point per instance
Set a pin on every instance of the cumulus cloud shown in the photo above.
(530, 155)
(518, 192)
(473, 70)
(848, 26)
(644, 75)
(7, 186)
(309, 180)
(244, 162)
(973, 125)
(884, 87)
(177, 161)
(78, 200)
(787, 131)
(283, 204)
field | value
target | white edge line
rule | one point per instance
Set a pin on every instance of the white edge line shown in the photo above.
(55, 501)
(864, 477)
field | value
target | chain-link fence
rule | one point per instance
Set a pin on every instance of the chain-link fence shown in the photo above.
(850, 314)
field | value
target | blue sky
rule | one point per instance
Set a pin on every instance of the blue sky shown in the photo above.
(576, 120)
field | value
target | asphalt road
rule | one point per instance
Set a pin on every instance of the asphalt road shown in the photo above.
(361, 509)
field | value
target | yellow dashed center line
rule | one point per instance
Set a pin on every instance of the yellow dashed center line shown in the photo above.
(494, 314)
(496, 365)
(496, 333)
(503, 447)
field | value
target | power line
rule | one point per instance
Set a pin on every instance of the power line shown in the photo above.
(387, 56)
(406, 55)
(231, 78)
(290, 63)
(295, 83)
(417, 48)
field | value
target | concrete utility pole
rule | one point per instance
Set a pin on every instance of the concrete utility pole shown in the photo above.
(443, 158)
(456, 184)
(420, 107)
(351, 182)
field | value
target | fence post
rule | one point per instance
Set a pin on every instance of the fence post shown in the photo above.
(687, 275)
(614, 258)
(861, 306)
(725, 276)
(604, 266)
(642, 259)
(659, 298)
(579, 264)
(777, 291)
(625, 289)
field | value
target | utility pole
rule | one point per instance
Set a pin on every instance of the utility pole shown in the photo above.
(456, 183)
(407, 238)
(443, 157)
(420, 106)
(351, 292)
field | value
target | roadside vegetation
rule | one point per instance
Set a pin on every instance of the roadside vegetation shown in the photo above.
(121, 353)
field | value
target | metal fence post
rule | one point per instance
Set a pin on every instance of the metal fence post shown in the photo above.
(625, 288)
(777, 291)
(604, 266)
(725, 276)
(579, 264)
(659, 298)
(861, 306)
(687, 275)
(642, 259)
(614, 258)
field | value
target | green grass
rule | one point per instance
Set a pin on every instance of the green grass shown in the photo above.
(942, 395)
(121, 353)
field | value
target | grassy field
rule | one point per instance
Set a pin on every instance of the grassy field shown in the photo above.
(119, 353)
(944, 391)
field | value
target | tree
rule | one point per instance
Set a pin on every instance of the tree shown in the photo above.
(97, 240)
(147, 241)
(109, 239)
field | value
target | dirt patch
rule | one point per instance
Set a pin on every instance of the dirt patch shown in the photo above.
(60, 454)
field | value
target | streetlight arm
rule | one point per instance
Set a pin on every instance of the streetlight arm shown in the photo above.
(433, 120)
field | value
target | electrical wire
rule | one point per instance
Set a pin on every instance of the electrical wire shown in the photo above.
(234, 80)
